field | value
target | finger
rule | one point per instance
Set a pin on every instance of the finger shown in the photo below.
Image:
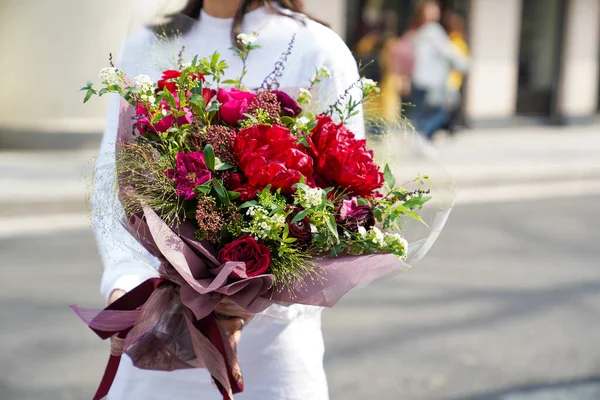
(115, 295)
(232, 325)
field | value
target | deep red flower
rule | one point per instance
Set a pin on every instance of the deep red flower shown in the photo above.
(289, 106)
(269, 155)
(256, 256)
(190, 171)
(300, 230)
(169, 80)
(234, 104)
(343, 161)
(145, 116)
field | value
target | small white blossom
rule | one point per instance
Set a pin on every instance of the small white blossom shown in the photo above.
(151, 99)
(324, 72)
(247, 38)
(362, 232)
(264, 225)
(110, 76)
(301, 122)
(186, 64)
(144, 82)
(164, 112)
(304, 97)
(144, 97)
(378, 237)
(368, 85)
(313, 197)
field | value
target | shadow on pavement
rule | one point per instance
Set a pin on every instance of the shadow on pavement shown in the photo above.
(580, 389)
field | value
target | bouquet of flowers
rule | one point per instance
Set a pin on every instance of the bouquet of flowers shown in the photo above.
(245, 198)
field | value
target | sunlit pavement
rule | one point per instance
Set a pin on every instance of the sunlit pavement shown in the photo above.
(505, 307)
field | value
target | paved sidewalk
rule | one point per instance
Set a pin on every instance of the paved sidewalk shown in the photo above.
(472, 158)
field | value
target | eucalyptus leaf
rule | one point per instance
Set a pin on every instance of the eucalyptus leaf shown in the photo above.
(209, 157)
(389, 176)
(221, 192)
(300, 216)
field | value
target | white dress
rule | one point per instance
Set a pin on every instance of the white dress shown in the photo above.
(281, 358)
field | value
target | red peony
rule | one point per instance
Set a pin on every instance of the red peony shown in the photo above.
(234, 104)
(269, 155)
(343, 161)
(256, 256)
(170, 77)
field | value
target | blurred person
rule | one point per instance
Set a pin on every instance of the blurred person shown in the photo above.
(435, 57)
(375, 52)
(280, 354)
(454, 24)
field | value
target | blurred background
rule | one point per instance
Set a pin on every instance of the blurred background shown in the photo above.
(505, 307)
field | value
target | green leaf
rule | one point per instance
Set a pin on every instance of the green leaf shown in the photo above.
(209, 157)
(195, 61)
(223, 167)
(221, 192)
(332, 226)
(87, 97)
(249, 204)
(198, 103)
(300, 216)
(288, 120)
(312, 125)
(377, 213)
(204, 188)
(416, 202)
(233, 195)
(231, 82)
(362, 202)
(389, 176)
(214, 106)
(197, 90)
(168, 96)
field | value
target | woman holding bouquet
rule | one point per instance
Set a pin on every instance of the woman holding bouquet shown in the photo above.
(282, 357)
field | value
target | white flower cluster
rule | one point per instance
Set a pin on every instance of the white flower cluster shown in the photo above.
(313, 197)
(144, 83)
(323, 72)
(368, 85)
(263, 224)
(247, 38)
(301, 123)
(110, 76)
(308, 197)
(304, 97)
(392, 242)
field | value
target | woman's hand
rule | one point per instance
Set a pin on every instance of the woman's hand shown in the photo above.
(115, 295)
(232, 318)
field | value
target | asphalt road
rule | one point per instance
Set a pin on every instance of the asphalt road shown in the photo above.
(505, 307)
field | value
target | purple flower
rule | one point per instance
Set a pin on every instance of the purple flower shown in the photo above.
(289, 106)
(351, 215)
(190, 171)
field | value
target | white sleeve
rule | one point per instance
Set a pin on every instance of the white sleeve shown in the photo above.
(126, 262)
(443, 45)
(334, 54)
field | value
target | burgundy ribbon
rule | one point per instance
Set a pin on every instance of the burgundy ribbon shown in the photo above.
(134, 300)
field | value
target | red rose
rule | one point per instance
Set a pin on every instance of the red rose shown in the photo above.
(343, 161)
(234, 104)
(145, 117)
(169, 80)
(256, 256)
(208, 94)
(269, 155)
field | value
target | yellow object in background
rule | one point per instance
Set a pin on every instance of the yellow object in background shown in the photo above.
(455, 78)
